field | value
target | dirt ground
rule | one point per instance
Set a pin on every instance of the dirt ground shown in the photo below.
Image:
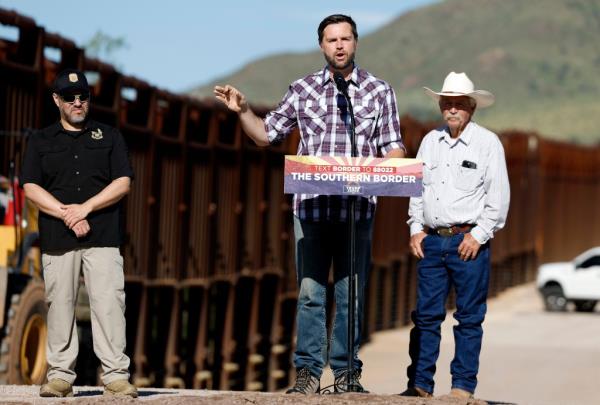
(93, 395)
(529, 357)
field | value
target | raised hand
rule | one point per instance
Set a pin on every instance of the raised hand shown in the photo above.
(231, 97)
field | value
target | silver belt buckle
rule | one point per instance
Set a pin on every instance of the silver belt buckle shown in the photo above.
(446, 232)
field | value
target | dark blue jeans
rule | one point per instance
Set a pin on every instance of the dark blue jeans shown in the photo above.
(436, 273)
(318, 244)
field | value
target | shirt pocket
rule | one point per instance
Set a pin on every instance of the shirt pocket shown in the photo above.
(119, 274)
(49, 274)
(430, 169)
(365, 117)
(313, 117)
(97, 155)
(468, 179)
(53, 158)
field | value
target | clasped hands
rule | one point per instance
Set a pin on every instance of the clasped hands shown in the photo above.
(74, 216)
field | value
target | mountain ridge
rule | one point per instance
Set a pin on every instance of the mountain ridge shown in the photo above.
(541, 58)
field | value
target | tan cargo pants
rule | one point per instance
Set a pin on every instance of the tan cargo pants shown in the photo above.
(103, 275)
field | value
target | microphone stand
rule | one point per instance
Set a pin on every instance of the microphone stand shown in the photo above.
(352, 282)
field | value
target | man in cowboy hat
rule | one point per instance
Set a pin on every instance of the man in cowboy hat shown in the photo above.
(465, 200)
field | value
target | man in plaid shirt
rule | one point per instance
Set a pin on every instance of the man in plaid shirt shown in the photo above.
(321, 226)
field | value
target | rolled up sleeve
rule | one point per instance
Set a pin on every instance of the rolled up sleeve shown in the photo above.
(283, 119)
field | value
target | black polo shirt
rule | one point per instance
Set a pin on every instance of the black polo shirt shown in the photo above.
(73, 167)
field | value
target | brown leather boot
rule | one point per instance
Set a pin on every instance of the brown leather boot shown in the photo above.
(121, 388)
(56, 388)
(460, 393)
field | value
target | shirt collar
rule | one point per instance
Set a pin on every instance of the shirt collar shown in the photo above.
(355, 76)
(464, 137)
(57, 127)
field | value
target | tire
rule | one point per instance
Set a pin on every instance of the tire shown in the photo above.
(554, 299)
(585, 305)
(23, 348)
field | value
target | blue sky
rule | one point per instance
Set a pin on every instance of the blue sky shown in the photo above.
(178, 44)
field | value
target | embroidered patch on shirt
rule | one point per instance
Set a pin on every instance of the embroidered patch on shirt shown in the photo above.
(97, 134)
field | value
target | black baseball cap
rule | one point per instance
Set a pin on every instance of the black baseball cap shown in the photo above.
(71, 81)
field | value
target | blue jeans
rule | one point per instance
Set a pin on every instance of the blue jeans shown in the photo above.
(436, 272)
(317, 245)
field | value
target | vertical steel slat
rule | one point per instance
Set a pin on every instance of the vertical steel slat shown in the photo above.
(253, 173)
(228, 211)
(199, 248)
(169, 214)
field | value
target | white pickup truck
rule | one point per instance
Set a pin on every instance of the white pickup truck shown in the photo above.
(577, 281)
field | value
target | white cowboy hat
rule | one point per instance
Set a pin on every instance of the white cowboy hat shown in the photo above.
(459, 84)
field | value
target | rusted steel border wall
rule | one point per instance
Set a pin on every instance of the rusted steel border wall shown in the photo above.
(209, 252)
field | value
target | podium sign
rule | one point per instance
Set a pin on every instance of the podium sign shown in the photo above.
(363, 176)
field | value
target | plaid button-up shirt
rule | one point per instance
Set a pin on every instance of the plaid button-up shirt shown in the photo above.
(314, 104)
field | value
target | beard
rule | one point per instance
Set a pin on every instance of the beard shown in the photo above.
(339, 66)
(75, 119)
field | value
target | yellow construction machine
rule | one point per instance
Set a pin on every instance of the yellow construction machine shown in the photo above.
(23, 308)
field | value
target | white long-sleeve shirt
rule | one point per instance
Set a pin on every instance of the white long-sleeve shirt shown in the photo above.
(464, 182)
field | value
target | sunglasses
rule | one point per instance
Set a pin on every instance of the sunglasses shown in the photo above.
(459, 105)
(70, 98)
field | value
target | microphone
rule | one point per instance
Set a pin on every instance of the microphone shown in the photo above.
(341, 83)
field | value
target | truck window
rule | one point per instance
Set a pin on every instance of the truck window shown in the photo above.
(591, 262)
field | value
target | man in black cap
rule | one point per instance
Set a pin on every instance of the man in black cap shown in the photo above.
(76, 171)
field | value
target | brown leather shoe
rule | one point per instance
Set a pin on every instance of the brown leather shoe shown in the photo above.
(460, 393)
(416, 392)
(121, 388)
(56, 388)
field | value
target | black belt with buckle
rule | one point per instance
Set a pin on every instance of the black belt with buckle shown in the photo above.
(450, 230)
